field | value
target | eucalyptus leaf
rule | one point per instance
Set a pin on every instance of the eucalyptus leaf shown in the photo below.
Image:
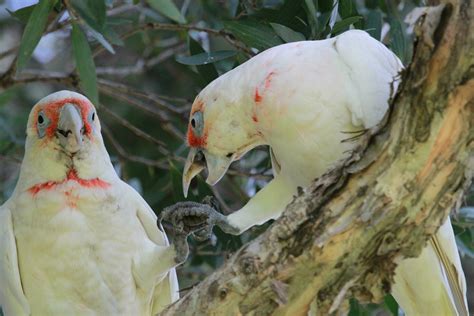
(205, 58)
(22, 14)
(287, 34)
(93, 12)
(253, 34)
(168, 9)
(397, 39)
(374, 23)
(33, 31)
(343, 25)
(207, 71)
(85, 66)
(311, 11)
(347, 8)
(391, 304)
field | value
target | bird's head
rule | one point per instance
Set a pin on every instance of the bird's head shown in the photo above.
(63, 137)
(220, 131)
(63, 122)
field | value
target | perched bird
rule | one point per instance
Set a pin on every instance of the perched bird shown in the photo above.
(304, 99)
(74, 238)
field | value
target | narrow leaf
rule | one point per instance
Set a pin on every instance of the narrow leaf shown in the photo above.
(287, 34)
(207, 71)
(33, 31)
(343, 25)
(23, 14)
(311, 12)
(347, 8)
(374, 23)
(391, 304)
(92, 12)
(253, 34)
(84, 64)
(168, 9)
(205, 58)
(397, 40)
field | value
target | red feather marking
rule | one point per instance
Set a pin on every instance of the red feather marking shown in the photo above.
(257, 97)
(195, 141)
(71, 176)
(53, 109)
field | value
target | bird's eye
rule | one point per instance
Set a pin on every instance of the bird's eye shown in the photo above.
(43, 123)
(91, 117)
(197, 123)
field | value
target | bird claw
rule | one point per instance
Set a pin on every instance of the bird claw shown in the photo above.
(195, 218)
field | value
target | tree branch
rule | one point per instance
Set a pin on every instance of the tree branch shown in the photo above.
(342, 236)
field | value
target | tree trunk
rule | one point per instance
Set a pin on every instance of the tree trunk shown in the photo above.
(342, 236)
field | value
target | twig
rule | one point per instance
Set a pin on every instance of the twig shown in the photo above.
(161, 145)
(123, 153)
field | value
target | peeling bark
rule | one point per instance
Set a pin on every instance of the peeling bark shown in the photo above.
(342, 236)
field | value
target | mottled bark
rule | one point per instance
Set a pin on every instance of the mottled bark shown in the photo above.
(342, 236)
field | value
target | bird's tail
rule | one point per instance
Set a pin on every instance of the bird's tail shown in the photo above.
(434, 282)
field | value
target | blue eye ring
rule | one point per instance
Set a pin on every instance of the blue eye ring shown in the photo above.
(197, 123)
(42, 124)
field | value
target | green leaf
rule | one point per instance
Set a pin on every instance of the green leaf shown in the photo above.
(253, 34)
(84, 64)
(374, 23)
(168, 9)
(207, 71)
(311, 11)
(343, 25)
(33, 31)
(101, 39)
(93, 12)
(22, 14)
(391, 304)
(347, 8)
(397, 40)
(465, 242)
(176, 182)
(287, 34)
(205, 58)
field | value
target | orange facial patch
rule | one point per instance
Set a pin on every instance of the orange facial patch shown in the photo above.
(195, 141)
(52, 110)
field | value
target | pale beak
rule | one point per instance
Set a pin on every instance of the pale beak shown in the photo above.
(70, 128)
(216, 167)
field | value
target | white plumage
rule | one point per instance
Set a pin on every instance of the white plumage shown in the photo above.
(301, 99)
(74, 238)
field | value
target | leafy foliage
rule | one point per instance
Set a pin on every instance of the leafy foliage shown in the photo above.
(147, 65)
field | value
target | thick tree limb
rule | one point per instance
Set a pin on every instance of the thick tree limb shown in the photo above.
(343, 235)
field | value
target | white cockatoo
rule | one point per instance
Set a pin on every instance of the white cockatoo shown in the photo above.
(302, 99)
(74, 238)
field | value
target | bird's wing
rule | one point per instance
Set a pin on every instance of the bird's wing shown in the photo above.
(433, 283)
(275, 164)
(166, 291)
(375, 72)
(12, 298)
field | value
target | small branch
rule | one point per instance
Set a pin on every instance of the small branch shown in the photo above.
(122, 153)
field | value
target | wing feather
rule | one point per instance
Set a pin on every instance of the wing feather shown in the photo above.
(12, 298)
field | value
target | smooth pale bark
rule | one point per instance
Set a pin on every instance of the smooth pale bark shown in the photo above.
(343, 236)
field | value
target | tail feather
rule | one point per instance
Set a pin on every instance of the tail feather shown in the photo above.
(434, 282)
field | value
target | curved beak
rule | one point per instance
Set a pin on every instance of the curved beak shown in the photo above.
(197, 161)
(70, 128)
